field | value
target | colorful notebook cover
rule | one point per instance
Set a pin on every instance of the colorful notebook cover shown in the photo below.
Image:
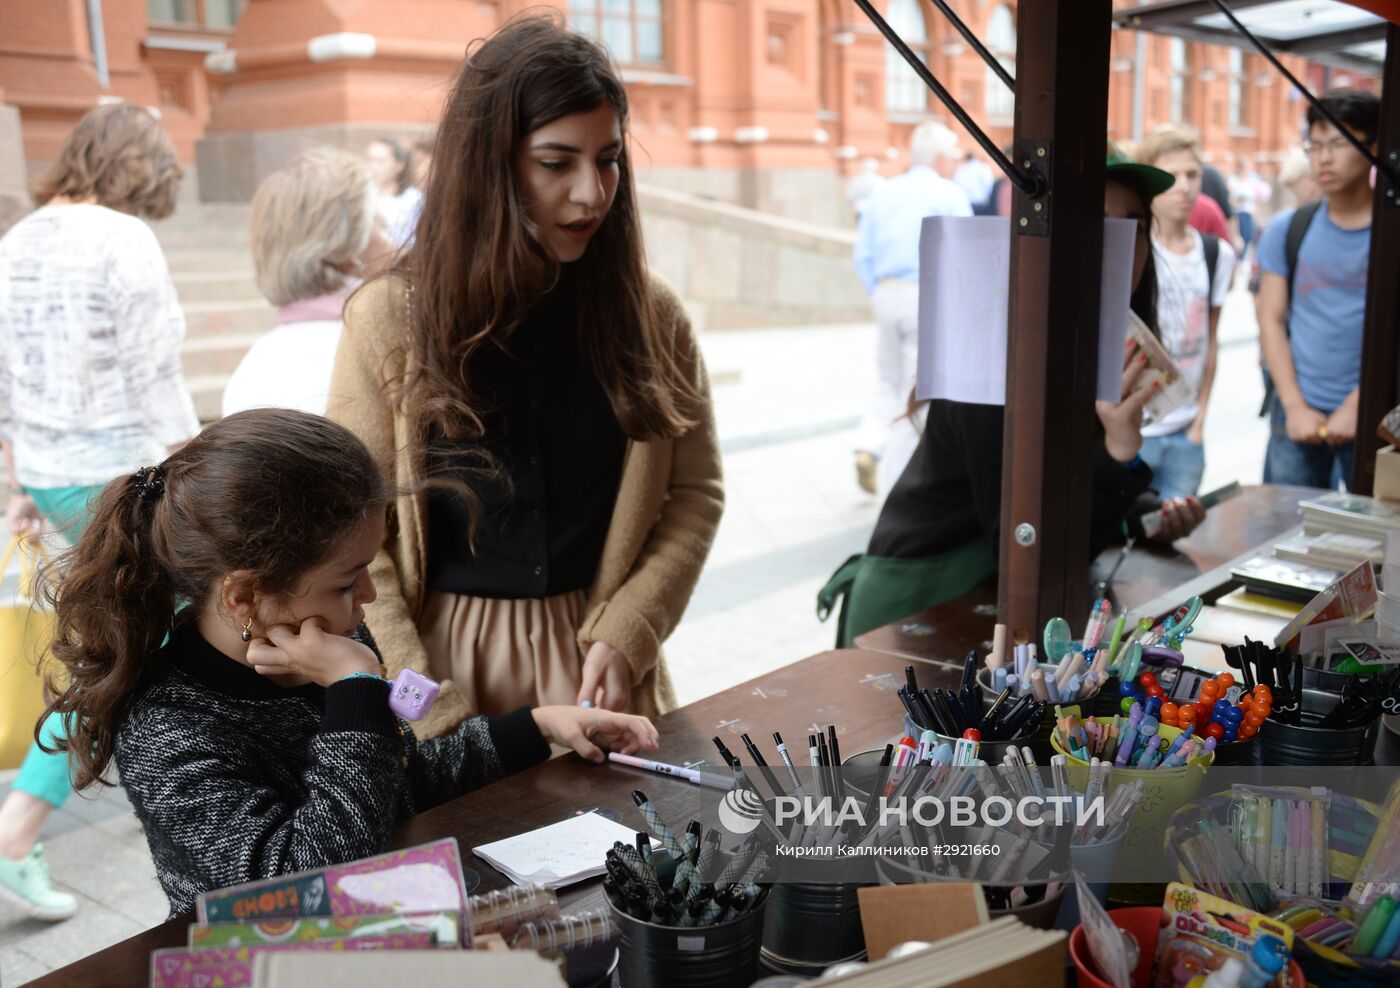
(230, 967)
(442, 926)
(423, 879)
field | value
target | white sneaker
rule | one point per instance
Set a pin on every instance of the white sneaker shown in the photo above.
(26, 883)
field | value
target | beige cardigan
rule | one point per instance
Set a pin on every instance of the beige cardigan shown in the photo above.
(668, 507)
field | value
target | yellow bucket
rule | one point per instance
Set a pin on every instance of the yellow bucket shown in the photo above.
(1168, 789)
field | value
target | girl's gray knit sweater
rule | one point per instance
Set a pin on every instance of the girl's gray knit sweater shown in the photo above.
(235, 778)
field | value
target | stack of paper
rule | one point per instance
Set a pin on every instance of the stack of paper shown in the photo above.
(558, 855)
(1338, 511)
(1333, 550)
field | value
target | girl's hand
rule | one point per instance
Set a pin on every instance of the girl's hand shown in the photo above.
(607, 678)
(590, 731)
(21, 516)
(311, 653)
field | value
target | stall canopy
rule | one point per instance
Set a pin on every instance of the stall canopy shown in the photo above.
(1340, 35)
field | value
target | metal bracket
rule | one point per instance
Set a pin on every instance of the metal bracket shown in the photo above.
(1032, 213)
(1390, 187)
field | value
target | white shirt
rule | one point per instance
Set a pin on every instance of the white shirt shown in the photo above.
(400, 214)
(91, 385)
(1184, 301)
(289, 367)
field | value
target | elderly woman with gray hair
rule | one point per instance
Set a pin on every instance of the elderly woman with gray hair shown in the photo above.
(315, 235)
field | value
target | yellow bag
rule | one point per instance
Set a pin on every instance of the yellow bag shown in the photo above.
(25, 633)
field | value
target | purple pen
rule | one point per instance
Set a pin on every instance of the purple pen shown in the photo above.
(1125, 748)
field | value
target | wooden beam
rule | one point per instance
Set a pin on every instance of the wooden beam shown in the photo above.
(1060, 125)
(1380, 346)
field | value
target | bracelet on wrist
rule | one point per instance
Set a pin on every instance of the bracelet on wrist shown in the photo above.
(410, 693)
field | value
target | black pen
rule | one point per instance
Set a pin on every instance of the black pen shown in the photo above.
(725, 753)
(911, 680)
(831, 743)
(758, 760)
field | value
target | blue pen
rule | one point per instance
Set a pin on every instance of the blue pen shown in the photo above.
(1125, 749)
(927, 742)
(943, 754)
(999, 678)
(1180, 740)
(1147, 740)
(1052, 688)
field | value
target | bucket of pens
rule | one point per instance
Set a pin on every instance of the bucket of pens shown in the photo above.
(943, 716)
(1310, 725)
(1167, 762)
(687, 914)
(1065, 672)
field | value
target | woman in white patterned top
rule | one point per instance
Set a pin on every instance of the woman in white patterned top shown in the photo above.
(90, 385)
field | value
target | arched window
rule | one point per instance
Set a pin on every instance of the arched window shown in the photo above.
(1001, 41)
(905, 92)
(1239, 106)
(1180, 75)
(629, 29)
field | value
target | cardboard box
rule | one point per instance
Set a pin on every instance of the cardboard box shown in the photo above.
(1387, 474)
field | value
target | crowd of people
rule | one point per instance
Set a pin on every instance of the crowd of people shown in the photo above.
(479, 445)
(1302, 247)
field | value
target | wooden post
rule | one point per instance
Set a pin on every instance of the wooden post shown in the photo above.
(1060, 126)
(1380, 346)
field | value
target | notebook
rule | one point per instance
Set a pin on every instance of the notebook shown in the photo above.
(999, 954)
(421, 968)
(561, 854)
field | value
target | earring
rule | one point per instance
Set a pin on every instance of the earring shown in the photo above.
(247, 634)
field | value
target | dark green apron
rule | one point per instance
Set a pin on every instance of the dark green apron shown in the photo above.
(875, 591)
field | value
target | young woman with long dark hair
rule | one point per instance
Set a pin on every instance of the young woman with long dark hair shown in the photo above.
(540, 397)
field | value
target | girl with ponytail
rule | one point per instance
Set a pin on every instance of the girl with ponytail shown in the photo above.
(210, 623)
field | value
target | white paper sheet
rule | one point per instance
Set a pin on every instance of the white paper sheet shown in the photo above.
(561, 854)
(964, 285)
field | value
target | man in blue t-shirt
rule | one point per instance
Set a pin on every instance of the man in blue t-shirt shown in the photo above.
(1312, 340)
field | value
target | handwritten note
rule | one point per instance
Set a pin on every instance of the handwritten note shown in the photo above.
(560, 854)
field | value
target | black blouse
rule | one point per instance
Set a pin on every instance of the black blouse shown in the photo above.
(950, 493)
(551, 431)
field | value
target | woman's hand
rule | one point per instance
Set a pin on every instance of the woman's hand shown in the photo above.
(1122, 423)
(311, 653)
(1180, 516)
(22, 517)
(590, 731)
(607, 678)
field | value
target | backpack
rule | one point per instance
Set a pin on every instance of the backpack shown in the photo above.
(1298, 225)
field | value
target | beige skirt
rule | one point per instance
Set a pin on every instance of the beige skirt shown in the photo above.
(505, 654)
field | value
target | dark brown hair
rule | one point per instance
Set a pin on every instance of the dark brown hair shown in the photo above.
(476, 266)
(119, 155)
(271, 491)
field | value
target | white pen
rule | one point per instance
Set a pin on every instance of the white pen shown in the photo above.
(787, 760)
(679, 771)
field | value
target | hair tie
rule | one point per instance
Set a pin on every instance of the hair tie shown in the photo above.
(150, 483)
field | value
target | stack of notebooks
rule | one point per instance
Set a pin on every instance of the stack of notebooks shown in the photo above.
(1340, 531)
(411, 900)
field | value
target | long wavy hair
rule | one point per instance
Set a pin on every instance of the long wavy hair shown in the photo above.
(270, 491)
(477, 264)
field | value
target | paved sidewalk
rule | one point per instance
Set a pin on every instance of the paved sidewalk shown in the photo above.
(787, 403)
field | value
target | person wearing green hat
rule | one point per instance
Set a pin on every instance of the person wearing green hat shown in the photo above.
(938, 532)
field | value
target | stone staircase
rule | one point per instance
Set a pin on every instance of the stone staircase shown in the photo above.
(206, 246)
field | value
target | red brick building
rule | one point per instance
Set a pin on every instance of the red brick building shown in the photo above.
(767, 103)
